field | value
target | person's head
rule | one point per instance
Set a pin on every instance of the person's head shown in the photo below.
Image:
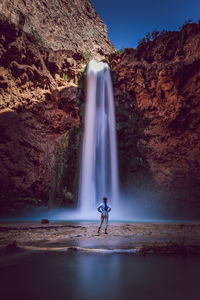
(104, 199)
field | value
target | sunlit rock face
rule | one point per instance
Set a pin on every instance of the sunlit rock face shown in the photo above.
(44, 49)
(67, 24)
(161, 80)
(40, 110)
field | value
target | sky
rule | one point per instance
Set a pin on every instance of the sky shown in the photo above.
(128, 21)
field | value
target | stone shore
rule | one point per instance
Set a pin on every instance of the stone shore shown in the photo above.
(138, 238)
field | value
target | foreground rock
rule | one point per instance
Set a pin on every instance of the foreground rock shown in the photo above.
(139, 238)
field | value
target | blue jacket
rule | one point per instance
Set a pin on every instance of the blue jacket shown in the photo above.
(102, 208)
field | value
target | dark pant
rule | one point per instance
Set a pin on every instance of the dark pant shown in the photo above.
(104, 217)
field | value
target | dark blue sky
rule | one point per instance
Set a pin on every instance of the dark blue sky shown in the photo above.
(128, 21)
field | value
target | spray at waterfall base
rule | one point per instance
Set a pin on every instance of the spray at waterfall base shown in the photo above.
(99, 160)
(99, 164)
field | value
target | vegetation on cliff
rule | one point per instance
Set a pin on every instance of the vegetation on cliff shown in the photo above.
(65, 172)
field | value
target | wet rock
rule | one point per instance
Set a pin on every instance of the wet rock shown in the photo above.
(12, 247)
(44, 221)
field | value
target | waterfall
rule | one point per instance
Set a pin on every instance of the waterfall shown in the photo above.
(99, 167)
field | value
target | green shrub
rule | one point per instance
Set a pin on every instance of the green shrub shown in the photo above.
(84, 69)
(189, 21)
(120, 51)
(65, 77)
(80, 82)
(87, 55)
(76, 82)
(151, 36)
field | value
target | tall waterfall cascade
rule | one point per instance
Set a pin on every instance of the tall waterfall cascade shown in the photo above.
(99, 166)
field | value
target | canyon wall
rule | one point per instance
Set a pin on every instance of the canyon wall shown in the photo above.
(159, 83)
(44, 49)
(60, 24)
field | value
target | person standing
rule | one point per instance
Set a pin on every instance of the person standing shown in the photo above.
(104, 208)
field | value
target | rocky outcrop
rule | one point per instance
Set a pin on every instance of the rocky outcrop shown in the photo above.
(161, 80)
(60, 24)
(40, 105)
(44, 49)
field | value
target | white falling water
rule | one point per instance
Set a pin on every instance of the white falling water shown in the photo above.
(99, 168)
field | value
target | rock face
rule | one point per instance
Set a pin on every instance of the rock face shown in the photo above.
(40, 101)
(60, 24)
(162, 80)
(44, 49)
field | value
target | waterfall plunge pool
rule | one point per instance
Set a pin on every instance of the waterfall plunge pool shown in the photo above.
(79, 276)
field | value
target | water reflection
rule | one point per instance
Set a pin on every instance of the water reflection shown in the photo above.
(90, 276)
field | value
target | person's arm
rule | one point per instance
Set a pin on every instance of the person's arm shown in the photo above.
(109, 208)
(99, 208)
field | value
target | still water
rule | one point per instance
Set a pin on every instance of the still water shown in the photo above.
(91, 276)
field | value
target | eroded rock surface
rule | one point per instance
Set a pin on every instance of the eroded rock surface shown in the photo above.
(40, 103)
(66, 24)
(144, 238)
(43, 55)
(162, 80)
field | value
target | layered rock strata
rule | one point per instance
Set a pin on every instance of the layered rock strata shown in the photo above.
(162, 80)
(60, 24)
(40, 104)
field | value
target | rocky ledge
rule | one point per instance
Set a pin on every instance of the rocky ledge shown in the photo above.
(136, 238)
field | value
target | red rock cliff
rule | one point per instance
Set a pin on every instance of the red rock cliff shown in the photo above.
(163, 79)
(60, 24)
(156, 91)
(41, 96)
